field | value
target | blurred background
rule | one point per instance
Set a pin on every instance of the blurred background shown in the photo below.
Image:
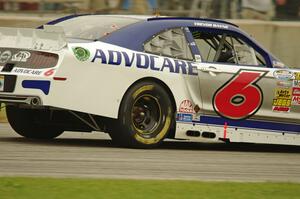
(274, 23)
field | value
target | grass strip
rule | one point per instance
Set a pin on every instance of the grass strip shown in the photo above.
(44, 188)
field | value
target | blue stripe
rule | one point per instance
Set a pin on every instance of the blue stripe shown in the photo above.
(253, 124)
(42, 85)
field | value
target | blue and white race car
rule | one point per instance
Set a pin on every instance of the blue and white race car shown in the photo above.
(144, 79)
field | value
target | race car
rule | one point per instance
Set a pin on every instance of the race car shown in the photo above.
(143, 79)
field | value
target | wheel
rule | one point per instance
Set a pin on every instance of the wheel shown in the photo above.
(31, 123)
(145, 117)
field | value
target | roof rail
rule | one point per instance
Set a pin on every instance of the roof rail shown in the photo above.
(191, 18)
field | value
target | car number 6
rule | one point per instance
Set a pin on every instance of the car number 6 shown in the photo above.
(240, 97)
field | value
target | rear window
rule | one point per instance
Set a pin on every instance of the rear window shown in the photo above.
(94, 27)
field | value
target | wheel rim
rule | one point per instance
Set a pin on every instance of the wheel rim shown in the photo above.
(146, 115)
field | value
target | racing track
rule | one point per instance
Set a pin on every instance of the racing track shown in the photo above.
(92, 155)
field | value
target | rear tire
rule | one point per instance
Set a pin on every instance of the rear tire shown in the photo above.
(145, 116)
(31, 123)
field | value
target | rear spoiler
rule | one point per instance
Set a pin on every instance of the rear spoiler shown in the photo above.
(51, 38)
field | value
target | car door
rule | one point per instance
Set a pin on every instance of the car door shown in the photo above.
(238, 82)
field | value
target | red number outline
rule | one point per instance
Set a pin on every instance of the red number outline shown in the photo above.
(251, 85)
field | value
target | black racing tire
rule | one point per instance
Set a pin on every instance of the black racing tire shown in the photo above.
(145, 118)
(26, 123)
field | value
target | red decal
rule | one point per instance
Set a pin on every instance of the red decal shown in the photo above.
(281, 108)
(296, 100)
(186, 106)
(49, 72)
(240, 97)
(225, 130)
(296, 91)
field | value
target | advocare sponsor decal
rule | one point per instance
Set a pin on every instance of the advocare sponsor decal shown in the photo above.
(21, 56)
(144, 61)
(27, 71)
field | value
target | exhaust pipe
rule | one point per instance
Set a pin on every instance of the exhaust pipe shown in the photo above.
(35, 101)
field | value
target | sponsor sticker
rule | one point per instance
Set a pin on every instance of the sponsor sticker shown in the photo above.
(81, 54)
(184, 117)
(283, 75)
(27, 71)
(296, 83)
(186, 106)
(283, 100)
(1, 83)
(5, 56)
(296, 96)
(281, 109)
(284, 83)
(283, 93)
(296, 91)
(297, 76)
(21, 56)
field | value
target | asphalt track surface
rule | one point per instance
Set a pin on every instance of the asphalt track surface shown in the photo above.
(94, 156)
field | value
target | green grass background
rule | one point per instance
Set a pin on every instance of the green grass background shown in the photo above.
(44, 188)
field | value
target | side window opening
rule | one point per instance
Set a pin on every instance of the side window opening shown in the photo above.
(171, 43)
(225, 48)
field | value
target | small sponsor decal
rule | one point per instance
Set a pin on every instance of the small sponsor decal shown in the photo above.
(184, 117)
(296, 83)
(283, 93)
(186, 106)
(1, 83)
(281, 109)
(296, 91)
(283, 74)
(296, 96)
(5, 56)
(283, 100)
(27, 71)
(284, 83)
(296, 100)
(81, 54)
(297, 76)
(21, 56)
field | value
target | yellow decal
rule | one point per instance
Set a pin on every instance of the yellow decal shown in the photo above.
(297, 75)
(283, 93)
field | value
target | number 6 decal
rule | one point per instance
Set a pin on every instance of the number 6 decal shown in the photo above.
(240, 97)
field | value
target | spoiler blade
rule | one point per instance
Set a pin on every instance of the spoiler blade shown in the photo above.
(49, 38)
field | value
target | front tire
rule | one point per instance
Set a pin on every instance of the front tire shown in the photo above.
(31, 123)
(145, 117)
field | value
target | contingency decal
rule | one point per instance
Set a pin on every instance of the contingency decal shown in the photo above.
(185, 111)
(282, 100)
(284, 75)
(296, 80)
(240, 97)
(81, 54)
